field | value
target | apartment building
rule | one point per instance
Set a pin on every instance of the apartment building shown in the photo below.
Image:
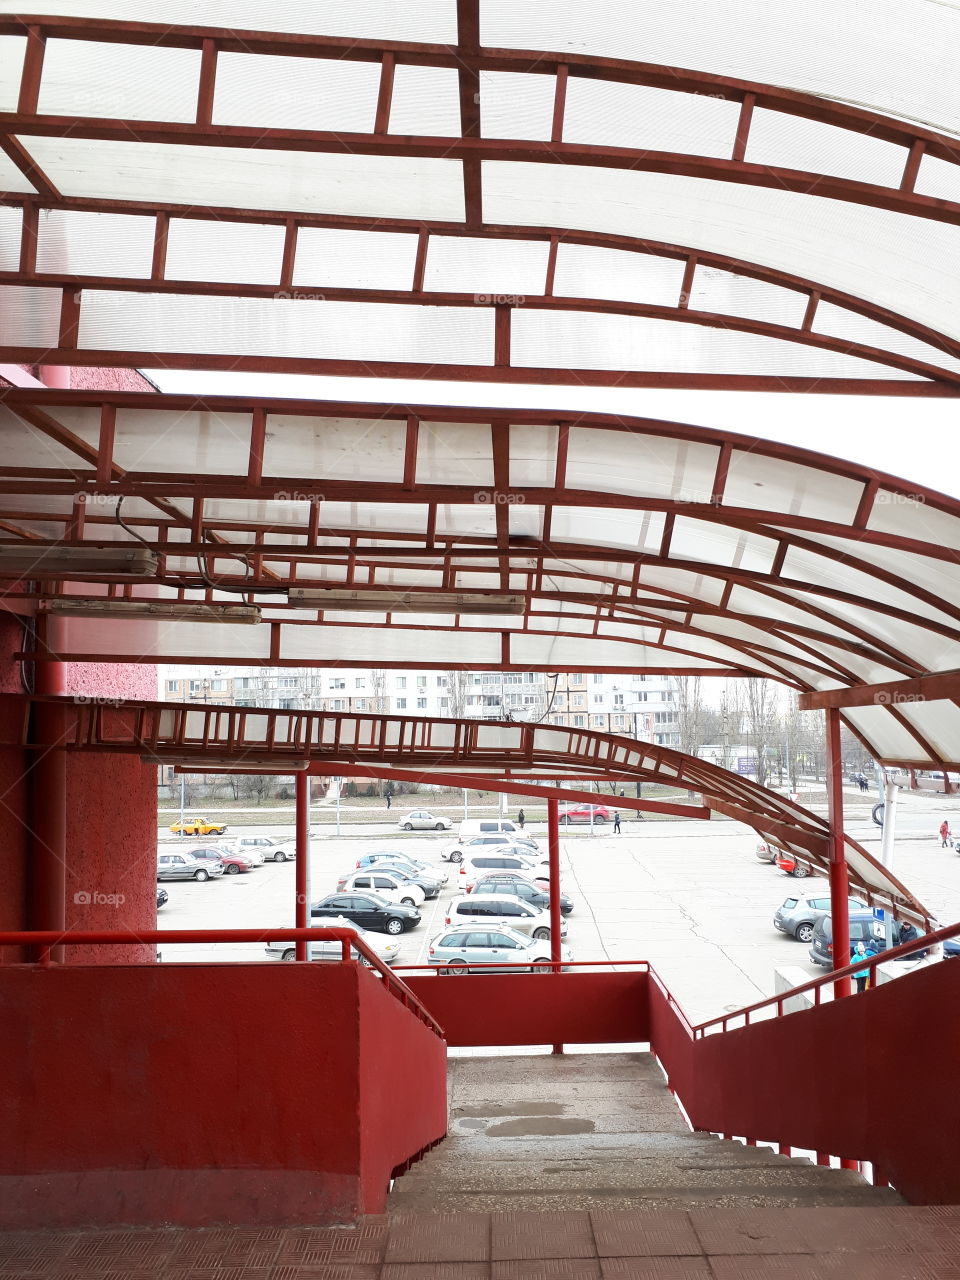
(636, 706)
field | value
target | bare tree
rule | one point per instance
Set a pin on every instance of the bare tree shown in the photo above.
(379, 681)
(457, 685)
(760, 708)
(691, 713)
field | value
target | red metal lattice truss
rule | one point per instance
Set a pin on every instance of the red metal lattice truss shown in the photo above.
(518, 756)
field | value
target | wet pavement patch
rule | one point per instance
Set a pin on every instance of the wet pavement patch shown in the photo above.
(538, 1126)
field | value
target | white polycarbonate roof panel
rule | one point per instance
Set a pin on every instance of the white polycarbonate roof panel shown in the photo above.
(896, 56)
(11, 222)
(455, 453)
(489, 269)
(605, 113)
(587, 271)
(790, 142)
(640, 465)
(25, 445)
(431, 21)
(891, 739)
(426, 101)
(286, 326)
(730, 294)
(192, 440)
(763, 483)
(11, 179)
(517, 106)
(533, 454)
(938, 722)
(926, 573)
(363, 449)
(909, 265)
(276, 92)
(298, 182)
(119, 81)
(154, 640)
(12, 49)
(909, 515)
(343, 259)
(609, 527)
(249, 253)
(939, 178)
(717, 544)
(100, 244)
(29, 317)
(331, 645)
(594, 340)
(840, 322)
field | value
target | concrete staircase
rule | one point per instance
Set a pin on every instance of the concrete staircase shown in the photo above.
(599, 1131)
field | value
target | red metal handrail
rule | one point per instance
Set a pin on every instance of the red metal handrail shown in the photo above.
(45, 939)
(922, 943)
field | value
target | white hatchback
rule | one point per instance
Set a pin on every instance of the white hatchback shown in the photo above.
(422, 820)
(382, 881)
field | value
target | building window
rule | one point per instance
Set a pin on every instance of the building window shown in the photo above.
(172, 686)
(576, 679)
(218, 685)
(338, 684)
(360, 683)
(598, 679)
(338, 704)
(578, 722)
(577, 700)
(361, 704)
(421, 682)
(441, 682)
(444, 703)
(618, 721)
(401, 704)
(597, 721)
(421, 704)
(618, 699)
(401, 682)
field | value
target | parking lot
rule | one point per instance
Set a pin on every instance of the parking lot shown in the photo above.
(690, 897)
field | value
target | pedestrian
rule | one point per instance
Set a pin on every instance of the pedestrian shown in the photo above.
(908, 933)
(521, 819)
(944, 834)
(389, 801)
(862, 953)
(616, 822)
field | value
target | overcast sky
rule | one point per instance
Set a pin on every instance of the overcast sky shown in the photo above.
(913, 439)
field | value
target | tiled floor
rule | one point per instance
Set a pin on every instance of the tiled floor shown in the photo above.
(762, 1244)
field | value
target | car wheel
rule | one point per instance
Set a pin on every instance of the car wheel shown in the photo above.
(564, 821)
(598, 819)
(456, 856)
(289, 954)
(800, 871)
(408, 902)
(408, 826)
(202, 875)
(541, 934)
(456, 968)
(232, 869)
(804, 932)
(394, 926)
(439, 827)
(280, 857)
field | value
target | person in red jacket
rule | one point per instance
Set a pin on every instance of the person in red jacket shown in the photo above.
(944, 834)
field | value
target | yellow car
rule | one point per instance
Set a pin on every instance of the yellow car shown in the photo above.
(197, 827)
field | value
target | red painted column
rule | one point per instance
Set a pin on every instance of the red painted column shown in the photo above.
(302, 912)
(839, 880)
(553, 851)
(48, 802)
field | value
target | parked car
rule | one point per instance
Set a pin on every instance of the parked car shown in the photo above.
(404, 861)
(863, 928)
(387, 884)
(198, 827)
(267, 848)
(793, 865)
(459, 951)
(421, 820)
(162, 896)
(582, 813)
(471, 827)
(430, 884)
(184, 866)
(799, 914)
(489, 909)
(520, 887)
(367, 909)
(233, 863)
(457, 852)
(767, 852)
(385, 948)
(475, 868)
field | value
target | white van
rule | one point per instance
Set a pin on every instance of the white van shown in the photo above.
(470, 827)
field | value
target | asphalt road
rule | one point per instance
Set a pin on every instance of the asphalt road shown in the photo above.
(690, 897)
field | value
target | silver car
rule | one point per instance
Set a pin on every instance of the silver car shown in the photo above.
(387, 949)
(469, 950)
(266, 847)
(183, 866)
(494, 910)
(800, 913)
(423, 820)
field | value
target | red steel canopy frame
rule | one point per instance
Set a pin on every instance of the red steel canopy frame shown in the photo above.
(462, 752)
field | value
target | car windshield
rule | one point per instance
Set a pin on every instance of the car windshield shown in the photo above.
(512, 933)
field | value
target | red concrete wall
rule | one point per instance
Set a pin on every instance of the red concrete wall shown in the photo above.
(403, 1095)
(872, 1077)
(197, 1094)
(541, 1008)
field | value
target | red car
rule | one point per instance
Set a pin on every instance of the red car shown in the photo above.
(788, 862)
(233, 863)
(581, 813)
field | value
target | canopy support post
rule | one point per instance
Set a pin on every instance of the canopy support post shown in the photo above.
(839, 879)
